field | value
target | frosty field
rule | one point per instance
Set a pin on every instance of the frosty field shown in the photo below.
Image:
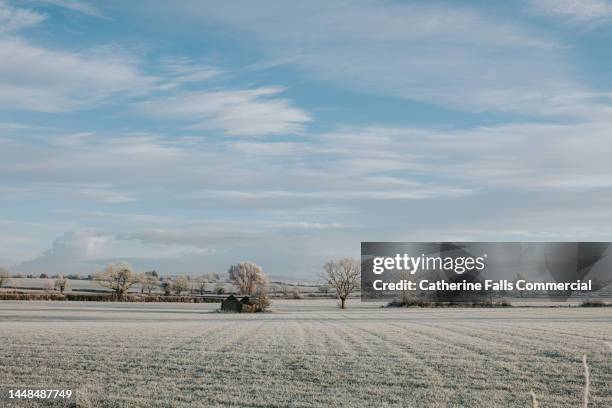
(306, 354)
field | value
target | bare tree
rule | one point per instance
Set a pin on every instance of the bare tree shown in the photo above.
(262, 302)
(407, 297)
(343, 276)
(49, 286)
(323, 288)
(119, 277)
(213, 277)
(295, 293)
(4, 276)
(520, 276)
(61, 283)
(148, 283)
(247, 277)
(166, 286)
(180, 285)
(201, 283)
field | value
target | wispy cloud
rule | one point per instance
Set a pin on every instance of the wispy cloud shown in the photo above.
(80, 6)
(583, 11)
(102, 193)
(180, 71)
(414, 193)
(267, 149)
(450, 55)
(14, 19)
(257, 111)
(40, 79)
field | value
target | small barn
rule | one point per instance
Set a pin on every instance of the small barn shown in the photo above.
(231, 304)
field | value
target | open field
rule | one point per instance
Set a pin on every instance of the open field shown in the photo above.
(306, 354)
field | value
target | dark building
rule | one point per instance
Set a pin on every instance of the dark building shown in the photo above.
(231, 304)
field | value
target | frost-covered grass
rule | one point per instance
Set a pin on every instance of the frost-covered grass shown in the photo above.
(307, 354)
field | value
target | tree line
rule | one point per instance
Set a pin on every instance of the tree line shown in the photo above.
(248, 278)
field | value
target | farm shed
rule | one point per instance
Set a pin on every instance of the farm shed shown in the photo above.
(231, 304)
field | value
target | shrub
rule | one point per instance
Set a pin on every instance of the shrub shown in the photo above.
(295, 294)
(262, 302)
(102, 297)
(432, 303)
(595, 303)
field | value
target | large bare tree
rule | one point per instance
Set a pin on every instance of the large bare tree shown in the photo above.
(343, 276)
(119, 277)
(4, 276)
(247, 277)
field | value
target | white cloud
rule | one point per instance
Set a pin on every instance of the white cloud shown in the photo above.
(83, 7)
(14, 19)
(240, 112)
(576, 10)
(416, 192)
(101, 193)
(445, 54)
(44, 80)
(106, 195)
(86, 252)
(525, 156)
(180, 70)
(230, 204)
(267, 149)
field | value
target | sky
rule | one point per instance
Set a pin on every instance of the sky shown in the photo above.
(188, 136)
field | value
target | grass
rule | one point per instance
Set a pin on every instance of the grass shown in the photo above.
(307, 354)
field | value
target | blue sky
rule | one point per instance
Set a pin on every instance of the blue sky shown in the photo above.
(186, 137)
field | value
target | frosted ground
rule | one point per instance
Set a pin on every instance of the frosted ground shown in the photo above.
(306, 354)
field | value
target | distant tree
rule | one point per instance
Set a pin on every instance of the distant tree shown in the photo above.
(262, 303)
(61, 283)
(166, 286)
(247, 277)
(4, 276)
(213, 277)
(323, 288)
(295, 293)
(192, 284)
(43, 276)
(343, 276)
(152, 273)
(119, 277)
(200, 283)
(407, 297)
(520, 276)
(180, 285)
(148, 282)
